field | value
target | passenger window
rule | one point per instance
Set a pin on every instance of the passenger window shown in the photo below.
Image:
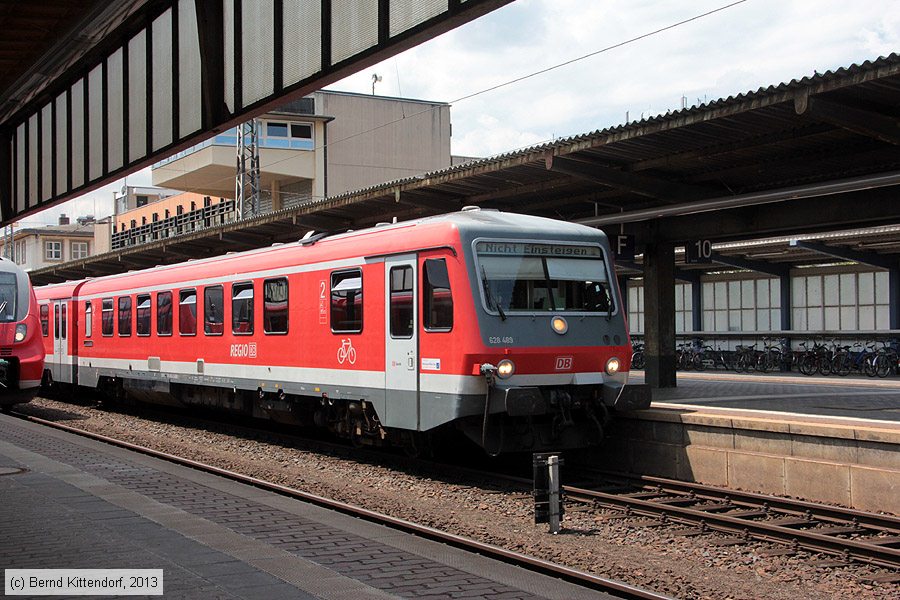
(144, 306)
(213, 310)
(125, 316)
(275, 305)
(64, 321)
(437, 301)
(401, 302)
(346, 301)
(164, 313)
(187, 312)
(88, 319)
(106, 317)
(242, 308)
(45, 320)
(56, 321)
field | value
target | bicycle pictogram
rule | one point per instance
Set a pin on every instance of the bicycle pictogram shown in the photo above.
(346, 352)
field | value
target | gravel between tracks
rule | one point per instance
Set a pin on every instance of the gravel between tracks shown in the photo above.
(684, 567)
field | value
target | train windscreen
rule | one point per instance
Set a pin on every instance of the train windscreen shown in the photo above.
(9, 293)
(529, 277)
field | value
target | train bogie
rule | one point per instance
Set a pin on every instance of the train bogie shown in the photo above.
(505, 327)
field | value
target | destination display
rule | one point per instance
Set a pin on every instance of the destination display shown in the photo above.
(526, 249)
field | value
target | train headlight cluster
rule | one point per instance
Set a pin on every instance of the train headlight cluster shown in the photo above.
(612, 366)
(505, 368)
(21, 332)
(559, 325)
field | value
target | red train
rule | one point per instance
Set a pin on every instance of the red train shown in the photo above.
(505, 327)
(21, 347)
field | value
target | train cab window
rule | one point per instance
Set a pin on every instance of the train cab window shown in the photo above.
(88, 319)
(106, 317)
(164, 313)
(187, 312)
(275, 305)
(401, 302)
(543, 277)
(242, 308)
(213, 310)
(346, 301)
(125, 316)
(437, 301)
(144, 306)
(45, 320)
(63, 326)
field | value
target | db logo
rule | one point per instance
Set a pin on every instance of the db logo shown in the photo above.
(563, 363)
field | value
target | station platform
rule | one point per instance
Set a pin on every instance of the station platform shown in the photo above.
(852, 397)
(70, 502)
(823, 439)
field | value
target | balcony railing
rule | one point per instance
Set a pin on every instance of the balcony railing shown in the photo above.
(195, 220)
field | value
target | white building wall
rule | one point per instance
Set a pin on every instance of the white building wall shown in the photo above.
(822, 301)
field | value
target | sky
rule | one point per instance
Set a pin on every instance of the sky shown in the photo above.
(741, 48)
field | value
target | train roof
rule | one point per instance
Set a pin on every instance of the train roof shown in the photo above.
(372, 241)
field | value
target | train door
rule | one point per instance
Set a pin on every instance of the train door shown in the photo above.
(401, 356)
(60, 368)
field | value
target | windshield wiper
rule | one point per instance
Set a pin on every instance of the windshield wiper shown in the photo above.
(609, 304)
(490, 296)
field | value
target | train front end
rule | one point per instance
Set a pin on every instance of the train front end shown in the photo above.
(556, 347)
(21, 348)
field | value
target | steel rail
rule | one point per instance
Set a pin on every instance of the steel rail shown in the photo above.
(886, 523)
(618, 588)
(807, 539)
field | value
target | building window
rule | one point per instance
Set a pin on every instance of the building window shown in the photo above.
(20, 253)
(187, 312)
(164, 313)
(125, 316)
(242, 308)
(106, 317)
(88, 319)
(275, 305)
(143, 314)
(213, 310)
(301, 131)
(79, 250)
(437, 309)
(346, 301)
(276, 129)
(141, 200)
(53, 250)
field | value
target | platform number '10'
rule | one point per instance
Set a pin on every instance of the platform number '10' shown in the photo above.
(698, 251)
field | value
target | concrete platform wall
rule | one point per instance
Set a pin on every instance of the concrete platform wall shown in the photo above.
(852, 465)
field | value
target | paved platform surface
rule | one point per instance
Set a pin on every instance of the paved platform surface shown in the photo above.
(83, 504)
(857, 398)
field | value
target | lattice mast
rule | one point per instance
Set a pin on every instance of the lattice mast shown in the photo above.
(246, 184)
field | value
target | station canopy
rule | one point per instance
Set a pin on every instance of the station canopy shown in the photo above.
(817, 158)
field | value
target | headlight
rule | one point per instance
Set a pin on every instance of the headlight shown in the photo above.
(505, 368)
(612, 366)
(559, 325)
(21, 332)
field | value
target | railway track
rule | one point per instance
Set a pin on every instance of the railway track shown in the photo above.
(845, 534)
(612, 587)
